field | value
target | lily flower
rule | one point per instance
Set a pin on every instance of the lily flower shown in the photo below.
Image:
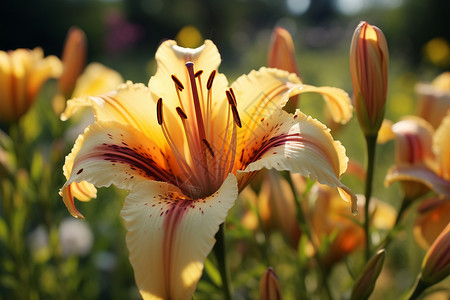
(22, 74)
(434, 99)
(423, 155)
(184, 147)
(269, 286)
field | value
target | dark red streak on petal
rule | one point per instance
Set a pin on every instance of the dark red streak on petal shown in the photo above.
(141, 162)
(172, 218)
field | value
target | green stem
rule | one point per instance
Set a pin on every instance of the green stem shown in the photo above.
(220, 253)
(371, 146)
(306, 230)
(405, 204)
(418, 289)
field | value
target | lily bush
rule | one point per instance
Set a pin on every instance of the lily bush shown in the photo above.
(220, 190)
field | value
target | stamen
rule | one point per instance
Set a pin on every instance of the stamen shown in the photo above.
(208, 146)
(159, 113)
(236, 117)
(198, 73)
(230, 98)
(196, 99)
(234, 97)
(177, 83)
(210, 79)
(181, 113)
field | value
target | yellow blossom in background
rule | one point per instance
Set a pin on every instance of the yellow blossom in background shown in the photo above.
(22, 74)
(434, 99)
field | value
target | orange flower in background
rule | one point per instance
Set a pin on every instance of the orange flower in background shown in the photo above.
(277, 209)
(334, 228)
(184, 147)
(434, 99)
(433, 216)
(22, 74)
(369, 59)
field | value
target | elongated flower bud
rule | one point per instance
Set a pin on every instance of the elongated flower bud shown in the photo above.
(269, 286)
(282, 55)
(74, 60)
(436, 264)
(366, 281)
(369, 58)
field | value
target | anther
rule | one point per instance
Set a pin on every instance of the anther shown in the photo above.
(177, 83)
(234, 97)
(236, 117)
(181, 113)
(230, 98)
(198, 73)
(159, 113)
(208, 146)
(210, 79)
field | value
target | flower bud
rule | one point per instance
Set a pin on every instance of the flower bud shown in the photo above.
(436, 264)
(74, 60)
(269, 286)
(369, 60)
(282, 51)
(282, 55)
(366, 281)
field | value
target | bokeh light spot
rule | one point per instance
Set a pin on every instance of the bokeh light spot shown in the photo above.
(189, 37)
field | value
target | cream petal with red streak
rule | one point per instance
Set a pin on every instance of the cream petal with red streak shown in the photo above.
(169, 236)
(113, 153)
(262, 92)
(299, 144)
(131, 104)
(419, 173)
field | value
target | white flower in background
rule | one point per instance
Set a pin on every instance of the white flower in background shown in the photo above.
(75, 237)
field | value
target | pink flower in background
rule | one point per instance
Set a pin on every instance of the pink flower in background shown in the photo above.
(120, 34)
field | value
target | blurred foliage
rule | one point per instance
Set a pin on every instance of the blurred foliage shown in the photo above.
(32, 265)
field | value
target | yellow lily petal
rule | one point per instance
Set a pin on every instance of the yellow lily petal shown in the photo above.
(130, 104)
(338, 101)
(95, 80)
(169, 236)
(441, 146)
(113, 153)
(171, 60)
(299, 144)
